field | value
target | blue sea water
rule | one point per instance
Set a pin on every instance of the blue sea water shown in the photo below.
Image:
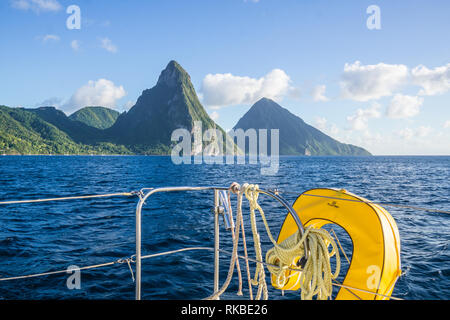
(51, 236)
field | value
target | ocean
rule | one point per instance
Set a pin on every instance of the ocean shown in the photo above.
(43, 237)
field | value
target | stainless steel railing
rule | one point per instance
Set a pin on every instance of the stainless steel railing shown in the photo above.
(145, 193)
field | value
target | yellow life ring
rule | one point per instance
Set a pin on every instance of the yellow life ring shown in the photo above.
(375, 265)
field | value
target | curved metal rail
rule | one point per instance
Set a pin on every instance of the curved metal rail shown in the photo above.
(145, 193)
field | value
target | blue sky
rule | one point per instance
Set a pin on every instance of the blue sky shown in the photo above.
(385, 89)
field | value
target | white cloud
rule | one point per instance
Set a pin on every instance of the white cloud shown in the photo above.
(334, 130)
(403, 106)
(447, 124)
(214, 115)
(50, 102)
(433, 81)
(328, 128)
(318, 93)
(406, 133)
(321, 123)
(75, 45)
(129, 104)
(423, 131)
(107, 44)
(21, 4)
(36, 5)
(102, 92)
(366, 82)
(408, 141)
(420, 132)
(359, 121)
(226, 89)
(49, 37)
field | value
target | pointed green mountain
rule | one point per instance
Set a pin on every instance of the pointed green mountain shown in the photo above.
(171, 104)
(145, 129)
(97, 117)
(296, 136)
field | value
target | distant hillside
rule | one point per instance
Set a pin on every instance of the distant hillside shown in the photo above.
(145, 129)
(25, 132)
(296, 136)
(97, 117)
(76, 130)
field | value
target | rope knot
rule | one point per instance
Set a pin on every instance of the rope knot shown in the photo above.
(128, 261)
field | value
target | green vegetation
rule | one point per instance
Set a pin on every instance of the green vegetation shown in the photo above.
(147, 127)
(77, 131)
(97, 117)
(296, 136)
(171, 104)
(24, 132)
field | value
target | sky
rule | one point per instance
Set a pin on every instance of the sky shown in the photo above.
(371, 73)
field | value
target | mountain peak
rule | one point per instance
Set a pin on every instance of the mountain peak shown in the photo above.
(173, 74)
(266, 102)
(296, 136)
(171, 104)
(266, 107)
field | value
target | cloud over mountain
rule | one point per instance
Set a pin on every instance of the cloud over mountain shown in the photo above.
(403, 106)
(359, 121)
(433, 81)
(366, 82)
(318, 93)
(102, 92)
(227, 89)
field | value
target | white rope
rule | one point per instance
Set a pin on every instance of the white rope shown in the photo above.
(259, 274)
(120, 261)
(125, 194)
(315, 277)
(175, 251)
(339, 243)
(131, 260)
(334, 283)
(59, 271)
(234, 256)
(251, 193)
(238, 267)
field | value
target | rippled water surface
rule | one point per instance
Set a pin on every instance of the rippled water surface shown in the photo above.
(52, 236)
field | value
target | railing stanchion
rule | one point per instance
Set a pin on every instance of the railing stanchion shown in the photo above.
(138, 249)
(216, 240)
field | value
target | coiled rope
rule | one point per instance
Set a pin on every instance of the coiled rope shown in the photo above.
(316, 276)
(312, 282)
